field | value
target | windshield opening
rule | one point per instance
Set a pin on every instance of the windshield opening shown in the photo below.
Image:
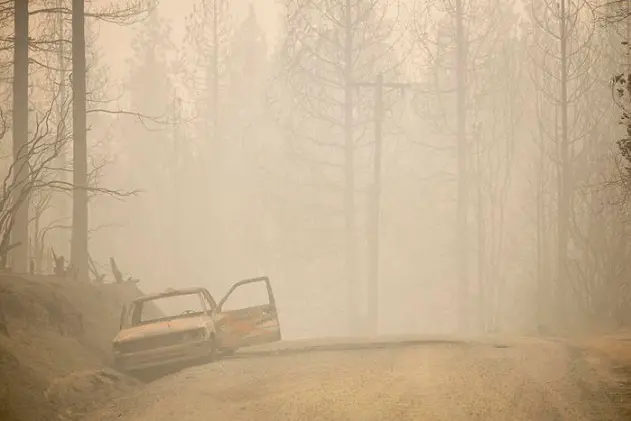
(172, 307)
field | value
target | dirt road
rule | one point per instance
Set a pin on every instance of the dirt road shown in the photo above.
(520, 380)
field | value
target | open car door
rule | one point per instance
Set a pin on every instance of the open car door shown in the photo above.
(254, 323)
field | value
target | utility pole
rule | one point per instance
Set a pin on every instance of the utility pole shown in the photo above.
(375, 203)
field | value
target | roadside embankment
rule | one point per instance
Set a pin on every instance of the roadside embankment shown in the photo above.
(55, 341)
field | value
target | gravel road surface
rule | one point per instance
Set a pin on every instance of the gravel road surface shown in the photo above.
(525, 379)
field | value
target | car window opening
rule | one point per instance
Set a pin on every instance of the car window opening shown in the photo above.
(172, 307)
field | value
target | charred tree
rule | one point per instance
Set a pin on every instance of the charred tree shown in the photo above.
(20, 222)
(79, 241)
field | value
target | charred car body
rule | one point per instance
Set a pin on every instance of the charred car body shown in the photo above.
(192, 327)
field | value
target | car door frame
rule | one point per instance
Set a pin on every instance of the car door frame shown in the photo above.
(248, 326)
(211, 300)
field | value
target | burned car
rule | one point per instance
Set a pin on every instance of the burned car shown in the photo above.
(185, 326)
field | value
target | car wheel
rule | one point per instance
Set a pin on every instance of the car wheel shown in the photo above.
(212, 351)
(227, 352)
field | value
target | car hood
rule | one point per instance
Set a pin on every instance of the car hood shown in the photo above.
(161, 328)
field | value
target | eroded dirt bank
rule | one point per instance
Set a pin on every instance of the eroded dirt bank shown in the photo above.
(55, 346)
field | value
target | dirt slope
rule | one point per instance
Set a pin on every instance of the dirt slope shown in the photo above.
(54, 345)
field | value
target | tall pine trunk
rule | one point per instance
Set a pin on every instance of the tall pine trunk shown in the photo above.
(349, 163)
(19, 229)
(79, 242)
(462, 234)
(61, 202)
(564, 172)
(483, 275)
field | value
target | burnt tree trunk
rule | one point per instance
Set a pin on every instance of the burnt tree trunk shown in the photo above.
(19, 230)
(462, 233)
(79, 241)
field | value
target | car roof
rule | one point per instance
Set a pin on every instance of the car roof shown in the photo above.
(169, 293)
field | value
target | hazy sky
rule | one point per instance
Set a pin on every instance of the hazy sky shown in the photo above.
(115, 40)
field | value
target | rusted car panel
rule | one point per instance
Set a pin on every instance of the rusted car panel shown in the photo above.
(251, 325)
(160, 328)
(165, 355)
(196, 334)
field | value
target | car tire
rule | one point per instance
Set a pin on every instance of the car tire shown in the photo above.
(228, 352)
(212, 352)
